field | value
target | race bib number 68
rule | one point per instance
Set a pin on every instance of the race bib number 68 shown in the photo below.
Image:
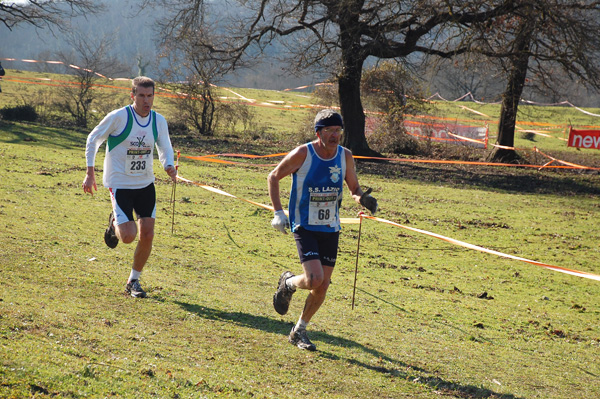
(322, 208)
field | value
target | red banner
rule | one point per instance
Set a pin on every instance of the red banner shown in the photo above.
(584, 138)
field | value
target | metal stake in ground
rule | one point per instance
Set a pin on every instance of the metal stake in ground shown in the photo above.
(360, 215)
(173, 193)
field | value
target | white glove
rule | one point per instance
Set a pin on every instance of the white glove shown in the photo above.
(280, 221)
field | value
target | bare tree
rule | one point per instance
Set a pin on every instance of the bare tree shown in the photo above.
(93, 63)
(335, 34)
(45, 13)
(195, 104)
(193, 74)
(540, 37)
(466, 73)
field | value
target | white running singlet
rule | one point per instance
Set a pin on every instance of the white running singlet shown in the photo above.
(130, 147)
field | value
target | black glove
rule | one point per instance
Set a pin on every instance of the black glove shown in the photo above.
(368, 201)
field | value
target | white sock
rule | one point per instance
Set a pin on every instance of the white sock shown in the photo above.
(301, 325)
(290, 284)
(135, 275)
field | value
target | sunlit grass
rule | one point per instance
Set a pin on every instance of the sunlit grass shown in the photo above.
(421, 326)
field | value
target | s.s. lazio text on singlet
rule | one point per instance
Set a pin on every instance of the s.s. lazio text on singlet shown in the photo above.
(324, 189)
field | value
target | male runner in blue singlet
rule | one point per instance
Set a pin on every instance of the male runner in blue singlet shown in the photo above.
(319, 170)
(131, 133)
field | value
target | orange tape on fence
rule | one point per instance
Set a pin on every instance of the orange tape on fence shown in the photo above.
(474, 163)
(213, 158)
(566, 165)
(441, 237)
(574, 165)
(296, 107)
(255, 156)
(210, 158)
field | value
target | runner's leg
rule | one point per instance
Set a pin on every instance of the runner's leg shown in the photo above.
(316, 297)
(126, 231)
(144, 245)
(312, 276)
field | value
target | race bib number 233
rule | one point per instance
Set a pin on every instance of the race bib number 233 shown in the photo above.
(138, 161)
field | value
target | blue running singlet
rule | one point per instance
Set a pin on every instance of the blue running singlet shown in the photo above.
(316, 192)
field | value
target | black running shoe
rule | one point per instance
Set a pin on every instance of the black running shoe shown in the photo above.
(300, 339)
(110, 237)
(134, 289)
(283, 295)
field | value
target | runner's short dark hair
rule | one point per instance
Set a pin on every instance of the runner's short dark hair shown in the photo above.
(142, 81)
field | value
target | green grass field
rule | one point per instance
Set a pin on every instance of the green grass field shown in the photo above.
(430, 320)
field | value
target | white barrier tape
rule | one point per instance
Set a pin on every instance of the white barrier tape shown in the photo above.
(490, 251)
(441, 237)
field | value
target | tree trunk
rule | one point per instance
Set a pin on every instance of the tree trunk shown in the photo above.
(512, 95)
(508, 113)
(350, 103)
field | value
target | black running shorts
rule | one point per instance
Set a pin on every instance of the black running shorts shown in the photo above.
(317, 245)
(126, 201)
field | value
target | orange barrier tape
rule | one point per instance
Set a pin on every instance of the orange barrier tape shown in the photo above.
(254, 156)
(458, 139)
(566, 165)
(270, 208)
(473, 111)
(60, 62)
(468, 94)
(166, 92)
(62, 83)
(489, 251)
(412, 118)
(574, 165)
(212, 158)
(473, 162)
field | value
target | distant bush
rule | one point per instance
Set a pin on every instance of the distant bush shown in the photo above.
(19, 113)
(392, 138)
(327, 94)
(178, 128)
(232, 118)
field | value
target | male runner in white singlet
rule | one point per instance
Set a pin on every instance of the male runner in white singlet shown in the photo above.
(319, 170)
(131, 134)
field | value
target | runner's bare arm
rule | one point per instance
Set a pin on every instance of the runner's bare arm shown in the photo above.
(352, 178)
(286, 167)
(89, 182)
(362, 198)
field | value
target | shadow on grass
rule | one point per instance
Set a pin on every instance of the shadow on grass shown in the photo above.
(38, 135)
(399, 369)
